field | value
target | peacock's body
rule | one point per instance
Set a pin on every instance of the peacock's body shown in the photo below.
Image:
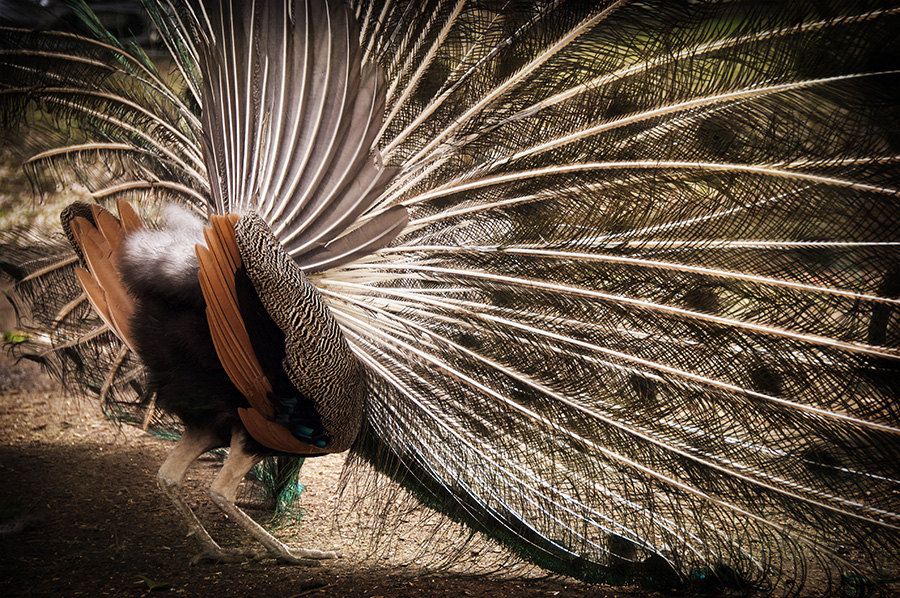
(615, 283)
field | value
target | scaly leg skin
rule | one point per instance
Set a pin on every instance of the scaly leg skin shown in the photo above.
(191, 445)
(224, 491)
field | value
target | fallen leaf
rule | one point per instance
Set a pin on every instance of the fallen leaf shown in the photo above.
(155, 586)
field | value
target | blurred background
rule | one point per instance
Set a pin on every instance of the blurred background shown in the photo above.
(126, 19)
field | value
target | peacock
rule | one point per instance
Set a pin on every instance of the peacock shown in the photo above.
(613, 283)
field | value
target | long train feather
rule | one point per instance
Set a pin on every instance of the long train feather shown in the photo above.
(638, 314)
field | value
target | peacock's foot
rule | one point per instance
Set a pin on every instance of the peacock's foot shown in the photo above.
(306, 558)
(229, 555)
(301, 556)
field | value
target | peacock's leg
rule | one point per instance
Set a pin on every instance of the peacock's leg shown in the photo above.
(191, 445)
(224, 491)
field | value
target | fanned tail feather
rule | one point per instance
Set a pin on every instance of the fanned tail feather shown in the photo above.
(291, 117)
(637, 326)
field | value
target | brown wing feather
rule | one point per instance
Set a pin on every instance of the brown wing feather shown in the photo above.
(219, 262)
(102, 264)
(96, 297)
(274, 436)
(224, 233)
(130, 220)
(102, 282)
(239, 370)
(218, 265)
(110, 227)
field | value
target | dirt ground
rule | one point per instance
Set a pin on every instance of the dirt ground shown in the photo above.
(81, 515)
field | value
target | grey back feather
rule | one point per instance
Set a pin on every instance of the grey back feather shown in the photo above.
(318, 359)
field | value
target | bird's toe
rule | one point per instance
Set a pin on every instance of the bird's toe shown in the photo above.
(304, 557)
(228, 555)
